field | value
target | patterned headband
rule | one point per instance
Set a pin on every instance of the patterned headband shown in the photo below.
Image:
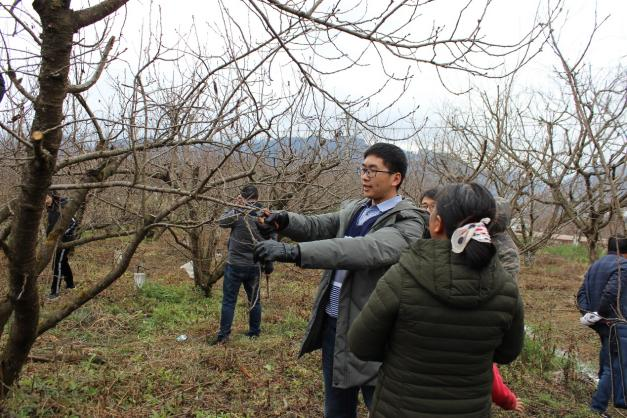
(476, 230)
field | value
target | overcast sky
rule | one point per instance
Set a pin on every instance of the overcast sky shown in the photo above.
(505, 21)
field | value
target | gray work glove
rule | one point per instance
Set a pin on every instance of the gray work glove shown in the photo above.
(271, 250)
(280, 220)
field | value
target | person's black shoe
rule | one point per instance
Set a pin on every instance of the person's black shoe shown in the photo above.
(53, 296)
(252, 335)
(218, 340)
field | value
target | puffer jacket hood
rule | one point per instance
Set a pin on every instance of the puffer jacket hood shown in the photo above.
(452, 283)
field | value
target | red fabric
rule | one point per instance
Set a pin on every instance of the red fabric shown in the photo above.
(501, 394)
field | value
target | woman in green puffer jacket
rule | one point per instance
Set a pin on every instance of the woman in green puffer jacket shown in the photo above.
(442, 315)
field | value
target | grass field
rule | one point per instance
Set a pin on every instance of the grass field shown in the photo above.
(118, 355)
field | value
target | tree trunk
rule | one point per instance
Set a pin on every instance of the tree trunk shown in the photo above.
(202, 259)
(529, 258)
(56, 48)
(58, 24)
(593, 241)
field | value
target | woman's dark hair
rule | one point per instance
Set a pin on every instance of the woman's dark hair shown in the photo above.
(249, 192)
(463, 203)
(393, 157)
(431, 193)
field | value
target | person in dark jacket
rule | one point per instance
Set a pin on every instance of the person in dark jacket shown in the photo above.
(596, 300)
(241, 268)
(442, 315)
(355, 246)
(507, 254)
(60, 263)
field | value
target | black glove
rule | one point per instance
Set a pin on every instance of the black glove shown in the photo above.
(266, 229)
(280, 220)
(276, 251)
(268, 267)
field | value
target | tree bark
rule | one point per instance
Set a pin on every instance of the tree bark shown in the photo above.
(56, 48)
(58, 24)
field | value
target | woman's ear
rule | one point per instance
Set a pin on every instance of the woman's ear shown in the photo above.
(436, 226)
(439, 225)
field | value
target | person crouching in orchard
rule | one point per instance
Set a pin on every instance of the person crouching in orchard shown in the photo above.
(440, 316)
(60, 263)
(241, 268)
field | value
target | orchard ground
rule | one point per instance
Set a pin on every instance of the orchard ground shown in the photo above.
(119, 355)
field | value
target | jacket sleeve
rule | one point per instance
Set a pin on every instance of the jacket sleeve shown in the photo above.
(514, 337)
(583, 302)
(501, 394)
(508, 253)
(228, 218)
(70, 232)
(380, 248)
(304, 228)
(370, 332)
(608, 303)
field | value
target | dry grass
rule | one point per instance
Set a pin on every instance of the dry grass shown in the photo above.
(146, 372)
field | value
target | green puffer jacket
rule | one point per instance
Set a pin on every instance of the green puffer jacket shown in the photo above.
(322, 245)
(438, 326)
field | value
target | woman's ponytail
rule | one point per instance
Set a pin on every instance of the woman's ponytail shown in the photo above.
(465, 203)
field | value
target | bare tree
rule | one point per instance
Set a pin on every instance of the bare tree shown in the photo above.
(59, 23)
(179, 96)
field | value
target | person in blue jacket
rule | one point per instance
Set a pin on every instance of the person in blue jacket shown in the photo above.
(597, 300)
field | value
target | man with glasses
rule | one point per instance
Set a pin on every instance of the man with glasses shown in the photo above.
(356, 246)
(427, 200)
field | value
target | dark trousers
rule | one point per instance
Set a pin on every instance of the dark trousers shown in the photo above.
(61, 268)
(602, 395)
(234, 277)
(338, 403)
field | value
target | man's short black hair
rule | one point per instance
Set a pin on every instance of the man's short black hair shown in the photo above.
(393, 157)
(430, 194)
(617, 244)
(249, 192)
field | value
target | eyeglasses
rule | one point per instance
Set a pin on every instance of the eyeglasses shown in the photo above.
(371, 172)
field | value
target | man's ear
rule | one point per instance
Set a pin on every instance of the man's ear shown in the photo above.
(396, 180)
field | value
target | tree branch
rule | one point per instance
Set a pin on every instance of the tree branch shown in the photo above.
(95, 13)
(18, 85)
(94, 78)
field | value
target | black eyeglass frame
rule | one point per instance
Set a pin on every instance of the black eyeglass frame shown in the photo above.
(369, 172)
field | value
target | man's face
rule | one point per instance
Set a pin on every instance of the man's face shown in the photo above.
(48, 200)
(380, 185)
(428, 204)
